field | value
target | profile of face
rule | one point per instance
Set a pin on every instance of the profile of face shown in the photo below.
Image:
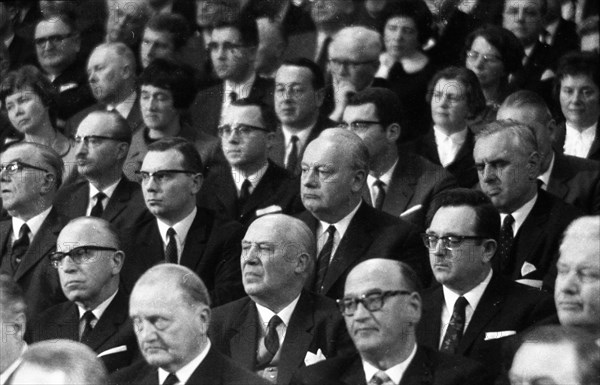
(126, 20)
(246, 149)
(401, 37)
(579, 100)
(26, 111)
(376, 137)
(449, 105)
(350, 63)
(297, 103)
(577, 288)
(210, 11)
(524, 18)
(91, 281)
(156, 44)
(169, 196)
(230, 58)
(506, 173)
(324, 11)
(158, 109)
(383, 332)
(107, 73)
(170, 329)
(540, 363)
(56, 45)
(485, 61)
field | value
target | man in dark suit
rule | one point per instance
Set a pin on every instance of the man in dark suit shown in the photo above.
(112, 75)
(233, 52)
(401, 184)
(29, 178)
(474, 308)
(347, 230)
(382, 307)
(170, 309)
(165, 36)
(250, 185)
(533, 220)
(279, 327)
(96, 313)
(181, 232)
(574, 180)
(560, 34)
(299, 92)
(21, 50)
(102, 144)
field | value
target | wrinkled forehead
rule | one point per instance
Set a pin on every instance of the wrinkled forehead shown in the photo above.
(23, 153)
(250, 115)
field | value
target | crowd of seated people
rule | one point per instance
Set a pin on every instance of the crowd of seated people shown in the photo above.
(388, 192)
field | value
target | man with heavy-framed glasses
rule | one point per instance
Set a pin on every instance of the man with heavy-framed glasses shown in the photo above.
(89, 259)
(182, 232)
(30, 175)
(474, 308)
(382, 307)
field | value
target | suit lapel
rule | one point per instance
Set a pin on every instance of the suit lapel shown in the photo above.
(151, 245)
(533, 227)
(135, 115)
(400, 190)
(242, 344)
(69, 323)
(226, 192)
(5, 229)
(118, 201)
(277, 152)
(560, 175)
(354, 375)
(595, 148)
(419, 371)
(429, 331)
(80, 200)
(108, 325)
(429, 148)
(195, 242)
(265, 189)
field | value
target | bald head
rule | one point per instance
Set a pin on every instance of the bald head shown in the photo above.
(175, 278)
(358, 40)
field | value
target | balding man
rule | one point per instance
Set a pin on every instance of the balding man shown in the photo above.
(170, 309)
(30, 175)
(111, 73)
(279, 327)
(382, 307)
(12, 317)
(347, 230)
(577, 289)
(89, 259)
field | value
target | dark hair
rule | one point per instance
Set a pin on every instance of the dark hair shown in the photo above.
(48, 155)
(577, 64)
(475, 98)
(67, 18)
(416, 10)
(173, 24)
(176, 77)
(121, 128)
(245, 24)
(511, 49)
(387, 103)
(191, 157)
(487, 216)
(318, 80)
(268, 114)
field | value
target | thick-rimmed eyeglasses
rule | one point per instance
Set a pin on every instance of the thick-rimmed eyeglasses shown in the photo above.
(243, 130)
(95, 140)
(449, 242)
(13, 167)
(358, 125)
(487, 58)
(372, 301)
(52, 39)
(162, 175)
(78, 255)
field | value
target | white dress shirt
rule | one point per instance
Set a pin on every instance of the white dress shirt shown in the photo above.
(98, 311)
(181, 231)
(341, 226)
(386, 178)
(520, 215)
(578, 143)
(265, 315)
(448, 145)
(125, 107)
(184, 374)
(254, 179)
(34, 224)
(395, 373)
(109, 191)
(302, 135)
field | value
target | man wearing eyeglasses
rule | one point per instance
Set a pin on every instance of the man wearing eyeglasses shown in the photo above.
(475, 308)
(382, 307)
(102, 142)
(182, 232)
(251, 185)
(30, 175)
(89, 259)
(232, 50)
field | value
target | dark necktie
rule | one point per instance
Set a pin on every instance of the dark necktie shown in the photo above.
(505, 242)
(244, 193)
(233, 96)
(88, 317)
(19, 247)
(272, 338)
(171, 251)
(380, 194)
(171, 379)
(98, 209)
(292, 159)
(324, 54)
(380, 378)
(324, 259)
(456, 327)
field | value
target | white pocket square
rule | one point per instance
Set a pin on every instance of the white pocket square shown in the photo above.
(411, 210)
(496, 335)
(118, 349)
(527, 268)
(268, 210)
(67, 86)
(313, 358)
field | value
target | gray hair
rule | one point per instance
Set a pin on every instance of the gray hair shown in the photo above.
(522, 133)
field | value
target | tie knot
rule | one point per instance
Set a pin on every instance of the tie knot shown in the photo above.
(171, 379)
(233, 96)
(171, 232)
(246, 184)
(331, 230)
(88, 316)
(460, 304)
(508, 221)
(294, 139)
(379, 184)
(274, 322)
(100, 196)
(380, 378)
(24, 231)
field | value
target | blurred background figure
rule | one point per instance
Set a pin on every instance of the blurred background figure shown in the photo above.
(13, 319)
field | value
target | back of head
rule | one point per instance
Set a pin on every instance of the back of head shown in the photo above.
(357, 40)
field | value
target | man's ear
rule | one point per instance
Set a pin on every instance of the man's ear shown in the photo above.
(489, 249)
(270, 140)
(197, 180)
(393, 132)
(320, 97)
(533, 165)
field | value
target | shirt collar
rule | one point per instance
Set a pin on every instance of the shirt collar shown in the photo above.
(545, 177)
(181, 228)
(385, 177)
(341, 226)
(254, 179)
(520, 214)
(587, 133)
(125, 107)
(100, 309)
(184, 374)
(241, 89)
(109, 191)
(34, 223)
(285, 314)
(302, 134)
(473, 296)
(457, 138)
(395, 373)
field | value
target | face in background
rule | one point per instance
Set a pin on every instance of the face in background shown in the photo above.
(174, 197)
(210, 11)
(490, 72)
(577, 288)
(375, 136)
(506, 174)
(56, 57)
(126, 20)
(579, 100)
(325, 11)
(26, 111)
(170, 329)
(552, 364)
(246, 152)
(231, 60)
(271, 45)
(524, 18)
(350, 63)
(157, 105)
(107, 73)
(449, 107)
(401, 37)
(156, 44)
(297, 103)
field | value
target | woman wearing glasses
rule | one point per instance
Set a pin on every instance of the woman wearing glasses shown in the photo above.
(29, 99)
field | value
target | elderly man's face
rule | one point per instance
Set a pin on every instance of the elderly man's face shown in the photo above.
(126, 20)
(56, 45)
(524, 18)
(106, 74)
(551, 364)
(350, 63)
(577, 289)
